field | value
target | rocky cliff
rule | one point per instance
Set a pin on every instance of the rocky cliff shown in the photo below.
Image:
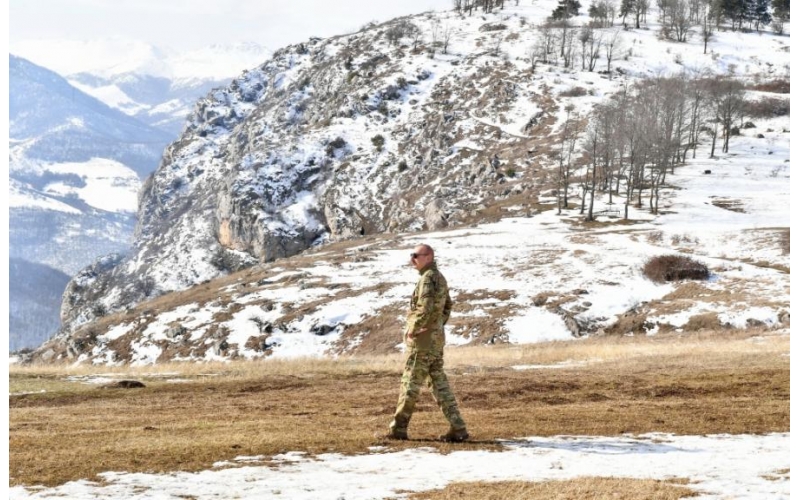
(330, 139)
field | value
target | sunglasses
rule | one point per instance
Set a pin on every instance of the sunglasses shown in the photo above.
(415, 255)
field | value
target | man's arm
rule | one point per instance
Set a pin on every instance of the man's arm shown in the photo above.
(448, 306)
(426, 304)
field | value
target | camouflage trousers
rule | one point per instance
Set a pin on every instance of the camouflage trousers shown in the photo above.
(425, 367)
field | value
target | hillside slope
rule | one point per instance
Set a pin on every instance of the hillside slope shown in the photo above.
(358, 135)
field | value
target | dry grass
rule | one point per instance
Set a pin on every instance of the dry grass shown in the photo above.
(696, 384)
(587, 488)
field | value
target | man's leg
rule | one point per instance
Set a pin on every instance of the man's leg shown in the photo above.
(443, 395)
(414, 375)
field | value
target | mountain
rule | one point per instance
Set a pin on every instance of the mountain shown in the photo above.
(383, 132)
(51, 120)
(35, 292)
(158, 101)
(75, 168)
(156, 85)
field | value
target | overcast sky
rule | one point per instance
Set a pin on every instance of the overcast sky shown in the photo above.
(189, 24)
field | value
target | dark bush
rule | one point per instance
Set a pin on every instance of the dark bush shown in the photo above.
(767, 107)
(335, 144)
(778, 86)
(227, 261)
(383, 108)
(574, 92)
(378, 141)
(402, 166)
(673, 268)
(492, 27)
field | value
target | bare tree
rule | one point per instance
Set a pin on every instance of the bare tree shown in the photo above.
(610, 8)
(533, 54)
(394, 33)
(568, 48)
(447, 35)
(590, 41)
(546, 41)
(662, 10)
(564, 26)
(569, 137)
(435, 33)
(494, 47)
(727, 99)
(778, 24)
(695, 100)
(611, 46)
(592, 148)
(594, 50)
(586, 34)
(416, 38)
(706, 31)
(678, 20)
(642, 6)
(697, 9)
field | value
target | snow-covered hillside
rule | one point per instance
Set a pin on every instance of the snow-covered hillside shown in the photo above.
(516, 280)
(361, 135)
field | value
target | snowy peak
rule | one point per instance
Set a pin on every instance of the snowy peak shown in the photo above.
(52, 120)
(217, 62)
(157, 86)
(102, 57)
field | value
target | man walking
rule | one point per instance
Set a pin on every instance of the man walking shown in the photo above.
(424, 338)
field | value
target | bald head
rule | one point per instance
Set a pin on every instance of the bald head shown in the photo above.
(422, 256)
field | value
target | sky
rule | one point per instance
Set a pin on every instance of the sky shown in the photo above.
(187, 24)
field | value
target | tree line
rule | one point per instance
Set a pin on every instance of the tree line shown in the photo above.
(636, 139)
(676, 16)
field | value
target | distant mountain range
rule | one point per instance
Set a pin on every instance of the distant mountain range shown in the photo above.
(35, 292)
(88, 121)
(75, 168)
(158, 86)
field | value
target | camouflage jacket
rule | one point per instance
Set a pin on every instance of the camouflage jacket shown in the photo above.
(429, 310)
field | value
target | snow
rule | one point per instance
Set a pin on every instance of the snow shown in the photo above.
(106, 185)
(717, 466)
(116, 332)
(563, 364)
(536, 325)
(110, 185)
(111, 95)
(23, 196)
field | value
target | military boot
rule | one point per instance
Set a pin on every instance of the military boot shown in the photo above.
(455, 436)
(398, 429)
(397, 434)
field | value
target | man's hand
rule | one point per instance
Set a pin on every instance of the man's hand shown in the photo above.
(414, 334)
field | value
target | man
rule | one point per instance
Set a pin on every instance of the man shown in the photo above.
(424, 338)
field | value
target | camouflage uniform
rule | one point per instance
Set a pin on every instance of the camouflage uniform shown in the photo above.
(430, 310)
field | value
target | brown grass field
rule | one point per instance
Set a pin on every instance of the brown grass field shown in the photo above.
(702, 383)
